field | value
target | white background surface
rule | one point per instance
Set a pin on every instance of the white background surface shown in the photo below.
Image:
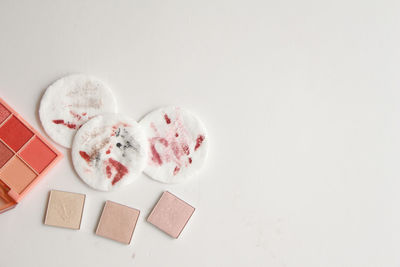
(301, 103)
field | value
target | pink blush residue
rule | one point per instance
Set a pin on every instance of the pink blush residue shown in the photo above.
(173, 146)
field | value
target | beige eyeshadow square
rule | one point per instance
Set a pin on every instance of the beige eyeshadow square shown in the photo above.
(117, 222)
(65, 209)
(170, 214)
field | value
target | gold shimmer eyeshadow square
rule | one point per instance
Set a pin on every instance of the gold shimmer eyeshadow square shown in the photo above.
(65, 209)
(25, 157)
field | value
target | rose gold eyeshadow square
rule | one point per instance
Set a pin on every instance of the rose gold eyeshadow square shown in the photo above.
(170, 214)
(117, 222)
(65, 209)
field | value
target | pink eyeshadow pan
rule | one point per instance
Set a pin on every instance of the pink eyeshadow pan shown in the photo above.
(32, 150)
(4, 113)
(5, 154)
(170, 214)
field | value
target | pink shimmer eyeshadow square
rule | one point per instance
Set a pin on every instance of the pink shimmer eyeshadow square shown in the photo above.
(170, 214)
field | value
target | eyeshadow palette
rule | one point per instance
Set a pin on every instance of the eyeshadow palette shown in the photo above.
(25, 156)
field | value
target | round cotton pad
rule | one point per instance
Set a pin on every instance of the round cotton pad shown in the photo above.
(70, 102)
(178, 144)
(109, 151)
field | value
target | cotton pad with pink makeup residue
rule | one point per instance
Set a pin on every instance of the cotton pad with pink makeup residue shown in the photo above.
(178, 144)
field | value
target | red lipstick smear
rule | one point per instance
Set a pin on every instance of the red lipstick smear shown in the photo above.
(108, 151)
(176, 170)
(199, 140)
(176, 134)
(167, 119)
(76, 115)
(190, 160)
(108, 171)
(155, 156)
(84, 114)
(68, 124)
(185, 148)
(85, 156)
(120, 168)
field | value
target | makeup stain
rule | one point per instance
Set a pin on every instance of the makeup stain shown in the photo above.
(116, 128)
(108, 171)
(85, 156)
(185, 148)
(119, 168)
(176, 170)
(190, 160)
(75, 115)
(155, 156)
(199, 140)
(167, 119)
(176, 134)
(177, 150)
(68, 124)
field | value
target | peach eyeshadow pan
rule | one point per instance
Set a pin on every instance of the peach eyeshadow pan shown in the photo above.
(117, 222)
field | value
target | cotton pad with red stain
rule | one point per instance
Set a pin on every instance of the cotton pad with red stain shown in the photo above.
(109, 151)
(178, 144)
(71, 101)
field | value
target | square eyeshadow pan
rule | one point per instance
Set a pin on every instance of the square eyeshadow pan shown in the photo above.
(117, 222)
(65, 209)
(5, 154)
(170, 214)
